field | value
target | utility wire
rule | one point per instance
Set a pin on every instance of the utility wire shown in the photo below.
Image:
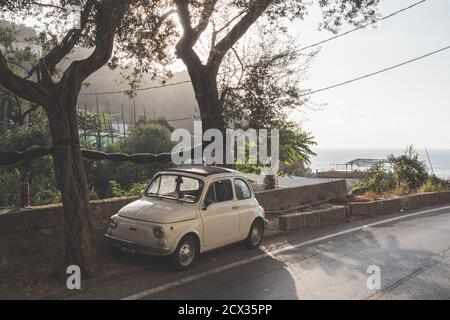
(299, 50)
(348, 81)
(358, 78)
(139, 89)
(376, 72)
(360, 27)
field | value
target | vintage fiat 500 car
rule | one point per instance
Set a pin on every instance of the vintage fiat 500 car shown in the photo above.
(186, 211)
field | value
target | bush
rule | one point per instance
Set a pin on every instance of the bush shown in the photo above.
(270, 182)
(401, 175)
(9, 188)
(118, 191)
(434, 184)
(377, 180)
(410, 173)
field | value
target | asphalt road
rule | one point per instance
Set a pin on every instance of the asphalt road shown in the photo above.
(412, 254)
(411, 250)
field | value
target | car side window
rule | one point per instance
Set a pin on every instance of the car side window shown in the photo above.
(220, 191)
(211, 195)
(154, 187)
(242, 190)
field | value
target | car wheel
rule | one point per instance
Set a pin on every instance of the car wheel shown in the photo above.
(186, 253)
(255, 234)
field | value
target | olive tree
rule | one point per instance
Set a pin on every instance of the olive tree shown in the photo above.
(108, 28)
(221, 24)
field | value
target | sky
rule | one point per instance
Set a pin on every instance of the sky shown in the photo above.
(408, 105)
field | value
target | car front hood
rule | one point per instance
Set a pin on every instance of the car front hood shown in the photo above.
(159, 211)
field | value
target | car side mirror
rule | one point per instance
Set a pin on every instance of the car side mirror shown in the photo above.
(141, 193)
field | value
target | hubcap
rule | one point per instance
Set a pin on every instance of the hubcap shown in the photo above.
(186, 254)
(256, 235)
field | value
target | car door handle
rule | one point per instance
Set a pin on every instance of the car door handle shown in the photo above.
(235, 207)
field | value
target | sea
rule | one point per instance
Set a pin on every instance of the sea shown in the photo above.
(327, 157)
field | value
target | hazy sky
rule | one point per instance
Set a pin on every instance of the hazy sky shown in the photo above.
(407, 105)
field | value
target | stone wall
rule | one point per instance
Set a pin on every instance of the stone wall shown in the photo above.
(38, 233)
(416, 201)
(356, 210)
(292, 197)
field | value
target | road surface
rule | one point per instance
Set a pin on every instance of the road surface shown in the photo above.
(411, 252)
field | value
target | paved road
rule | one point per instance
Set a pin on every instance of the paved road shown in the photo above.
(413, 255)
(412, 251)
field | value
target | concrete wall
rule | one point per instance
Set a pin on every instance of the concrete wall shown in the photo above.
(416, 201)
(37, 233)
(337, 214)
(286, 198)
(319, 218)
(50, 216)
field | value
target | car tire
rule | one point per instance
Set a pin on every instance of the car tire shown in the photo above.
(186, 253)
(255, 235)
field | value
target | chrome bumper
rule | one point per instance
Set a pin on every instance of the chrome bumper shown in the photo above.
(132, 247)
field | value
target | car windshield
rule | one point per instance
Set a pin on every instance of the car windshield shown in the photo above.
(176, 187)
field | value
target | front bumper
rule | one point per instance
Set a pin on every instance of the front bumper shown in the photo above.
(132, 247)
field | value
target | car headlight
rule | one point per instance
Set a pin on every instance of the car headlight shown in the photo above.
(113, 223)
(158, 232)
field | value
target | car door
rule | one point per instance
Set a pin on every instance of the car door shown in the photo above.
(221, 216)
(246, 205)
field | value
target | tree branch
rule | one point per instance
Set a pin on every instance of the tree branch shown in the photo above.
(239, 29)
(109, 16)
(191, 34)
(26, 89)
(58, 52)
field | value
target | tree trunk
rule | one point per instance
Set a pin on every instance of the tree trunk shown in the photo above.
(204, 83)
(205, 87)
(72, 182)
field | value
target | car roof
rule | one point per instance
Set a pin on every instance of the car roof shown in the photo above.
(204, 171)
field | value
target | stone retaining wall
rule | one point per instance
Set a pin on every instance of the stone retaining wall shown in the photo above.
(416, 201)
(51, 216)
(303, 220)
(355, 210)
(287, 198)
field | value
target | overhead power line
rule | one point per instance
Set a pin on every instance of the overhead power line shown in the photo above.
(139, 89)
(345, 82)
(299, 50)
(360, 27)
(376, 72)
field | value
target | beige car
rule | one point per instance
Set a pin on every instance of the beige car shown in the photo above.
(187, 211)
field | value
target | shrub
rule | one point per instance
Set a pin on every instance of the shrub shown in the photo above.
(270, 182)
(410, 173)
(9, 188)
(377, 180)
(433, 184)
(118, 191)
(401, 175)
